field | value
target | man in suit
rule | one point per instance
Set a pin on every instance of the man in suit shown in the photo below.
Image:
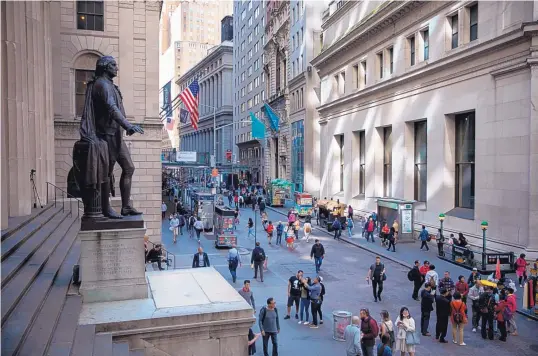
(200, 259)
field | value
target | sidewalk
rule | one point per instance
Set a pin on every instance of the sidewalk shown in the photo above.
(405, 255)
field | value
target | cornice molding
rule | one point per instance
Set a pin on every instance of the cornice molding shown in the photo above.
(337, 15)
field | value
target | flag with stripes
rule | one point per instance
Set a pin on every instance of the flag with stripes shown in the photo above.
(169, 123)
(189, 97)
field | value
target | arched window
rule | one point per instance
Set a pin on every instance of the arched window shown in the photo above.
(84, 69)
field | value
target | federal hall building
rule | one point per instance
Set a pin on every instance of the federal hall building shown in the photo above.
(434, 102)
(48, 53)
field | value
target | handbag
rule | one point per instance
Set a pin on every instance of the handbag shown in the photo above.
(384, 277)
(412, 338)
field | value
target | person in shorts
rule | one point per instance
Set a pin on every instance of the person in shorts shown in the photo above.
(294, 293)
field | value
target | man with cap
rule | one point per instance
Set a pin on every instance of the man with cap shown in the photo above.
(473, 277)
(426, 307)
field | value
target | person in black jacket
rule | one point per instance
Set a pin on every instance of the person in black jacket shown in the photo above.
(156, 255)
(416, 278)
(200, 259)
(442, 302)
(257, 259)
(426, 307)
(486, 303)
(317, 253)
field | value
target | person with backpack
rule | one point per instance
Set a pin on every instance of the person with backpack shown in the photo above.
(370, 330)
(386, 328)
(234, 260)
(257, 259)
(442, 302)
(374, 219)
(433, 278)
(426, 307)
(352, 337)
(458, 318)
(414, 276)
(269, 326)
(500, 317)
(376, 274)
(349, 224)
(307, 229)
(337, 227)
(424, 238)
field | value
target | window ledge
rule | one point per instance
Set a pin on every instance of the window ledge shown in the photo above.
(462, 213)
(359, 197)
(420, 205)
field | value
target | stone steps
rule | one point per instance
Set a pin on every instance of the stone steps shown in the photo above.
(17, 223)
(25, 274)
(37, 261)
(13, 241)
(64, 333)
(103, 345)
(120, 349)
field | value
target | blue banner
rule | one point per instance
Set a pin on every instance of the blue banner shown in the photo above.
(258, 128)
(274, 120)
(167, 99)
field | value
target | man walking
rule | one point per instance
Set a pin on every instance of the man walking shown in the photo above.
(200, 259)
(317, 253)
(352, 335)
(269, 326)
(337, 227)
(426, 307)
(442, 303)
(234, 260)
(376, 274)
(369, 229)
(247, 294)
(294, 293)
(370, 331)
(424, 238)
(257, 259)
(163, 209)
(414, 276)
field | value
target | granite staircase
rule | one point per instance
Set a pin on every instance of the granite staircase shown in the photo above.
(40, 306)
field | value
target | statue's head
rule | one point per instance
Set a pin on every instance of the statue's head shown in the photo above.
(106, 65)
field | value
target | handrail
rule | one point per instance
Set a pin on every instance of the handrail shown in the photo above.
(64, 195)
(167, 253)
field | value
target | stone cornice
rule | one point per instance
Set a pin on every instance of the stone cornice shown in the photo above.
(371, 25)
(297, 81)
(482, 49)
(221, 50)
(339, 13)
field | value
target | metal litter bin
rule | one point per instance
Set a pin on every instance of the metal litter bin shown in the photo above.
(341, 319)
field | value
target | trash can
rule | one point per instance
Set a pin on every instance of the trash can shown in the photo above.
(341, 319)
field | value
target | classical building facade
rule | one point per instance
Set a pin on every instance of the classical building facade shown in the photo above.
(67, 37)
(248, 86)
(432, 102)
(214, 74)
(188, 29)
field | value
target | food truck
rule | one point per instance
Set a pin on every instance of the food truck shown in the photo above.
(303, 204)
(202, 205)
(224, 227)
(277, 192)
(329, 210)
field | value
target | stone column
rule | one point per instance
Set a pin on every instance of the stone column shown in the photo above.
(202, 97)
(219, 89)
(398, 159)
(532, 244)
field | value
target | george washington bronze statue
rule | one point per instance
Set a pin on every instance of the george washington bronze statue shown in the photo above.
(101, 145)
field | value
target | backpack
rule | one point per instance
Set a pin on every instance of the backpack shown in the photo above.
(350, 224)
(458, 316)
(432, 281)
(259, 255)
(374, 216)
(308, 229)
(428, 238)
(507, 313)
(390, 333)
(233, 262)
(264, 310)
(322, 293)
(410, 275)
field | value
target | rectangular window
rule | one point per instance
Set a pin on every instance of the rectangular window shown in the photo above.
(249, 103)
(243, 14)
(363, 66)
(257, 12)
(249, 71)
(340, 139)
(473, 22)
(362, 161)
(242, 107)
(356, 78)
(90, 15)
(454, 24)
(412, 50)
(421, 154)
(82, 77)
(263, 95)
(293, 42)
(256, 99)
(249, 87)
(293, 69)
(250, 54)
(426, 40)
(250, 21)
(256, 29)
(465, 160)
(387, 161)
(391, 60)
(380, 64)
(249, 37)
(256, 47)
(256, 82)
(242, 92)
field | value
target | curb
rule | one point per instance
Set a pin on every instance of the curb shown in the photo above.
(388, 257)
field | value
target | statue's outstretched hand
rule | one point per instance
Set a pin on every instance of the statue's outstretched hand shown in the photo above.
(134, 129)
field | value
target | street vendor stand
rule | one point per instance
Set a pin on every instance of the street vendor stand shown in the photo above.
(278, 190)
(224, 227)
(202, 206)
(330, 210)
(303, 204)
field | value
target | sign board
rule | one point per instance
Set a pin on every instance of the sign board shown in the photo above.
(407, 221)
(185, 156)
(504, 259)
(387, 204)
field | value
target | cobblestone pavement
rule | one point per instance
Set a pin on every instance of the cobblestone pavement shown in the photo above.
(344, 270)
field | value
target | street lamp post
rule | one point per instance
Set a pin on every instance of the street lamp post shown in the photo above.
(484, 227)
(441, 220)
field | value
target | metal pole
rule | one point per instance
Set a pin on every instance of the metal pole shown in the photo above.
(442, 226)
(214, 137)
(483, 249)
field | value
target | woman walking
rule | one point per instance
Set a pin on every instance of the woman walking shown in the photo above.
(458, 318)
(405, 324)
(392, 239)
(307, 228)
(250, 225)
(521, 269)
(350, 225)
(174, 225)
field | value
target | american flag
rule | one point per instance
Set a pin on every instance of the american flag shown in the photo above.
(169, 123)
(189, 97)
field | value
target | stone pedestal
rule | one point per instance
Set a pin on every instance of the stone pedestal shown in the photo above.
(112, 262)
(190, 312)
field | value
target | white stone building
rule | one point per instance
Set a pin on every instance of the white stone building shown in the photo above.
(433, 101)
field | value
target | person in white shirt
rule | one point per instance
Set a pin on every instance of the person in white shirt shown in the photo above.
(163, 209)
(234, 260)
(198, 227)
(433, 278)
(174, 225)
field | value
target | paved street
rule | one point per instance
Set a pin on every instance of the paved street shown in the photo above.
(344, 270)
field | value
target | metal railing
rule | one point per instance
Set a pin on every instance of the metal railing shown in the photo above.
(166, 254)
(59, 193)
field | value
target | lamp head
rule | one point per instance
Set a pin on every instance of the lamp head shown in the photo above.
(484, 225)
